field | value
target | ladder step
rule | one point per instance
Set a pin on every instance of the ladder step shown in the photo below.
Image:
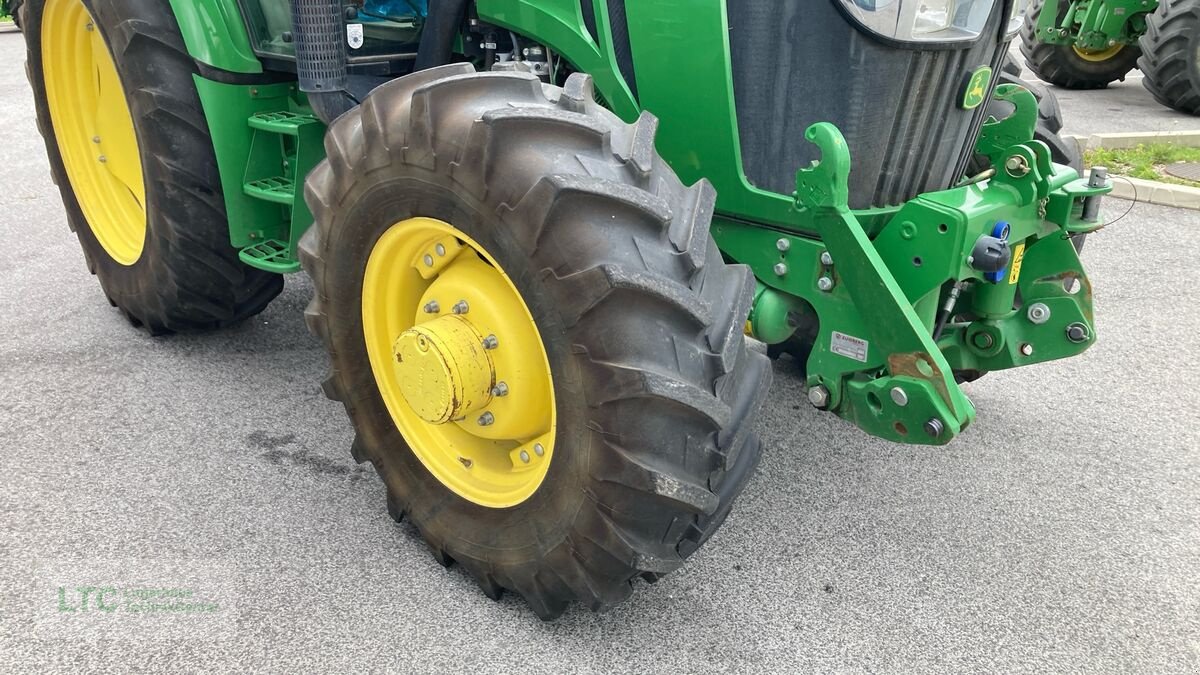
(278, 189)
(270, 255)
(282, 122)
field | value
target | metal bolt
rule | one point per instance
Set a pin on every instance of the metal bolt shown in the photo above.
(1077, 333)
(501, 389)
(983, 340)
(825, 284)
(826, 259)
(1027, 349)
(102, 159)
(538, 449)
(783, 244)
(90, 27)
(441, 250)
(1016, 166)
(95, 139)
(899, 397)
(934, 427)
(524, 456)
(1038, 313)
(432, 307)
(465, 462)
(780, 269)
(428, 260)
(460, 307)
(486, 419)
(490, 342)
(818, 396)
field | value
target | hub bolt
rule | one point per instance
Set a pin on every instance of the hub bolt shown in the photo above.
(1038, 313)
(1027, 349)
(501, 389)
(432, 307)
(428, 260)
(490, 342)
(524, 456)
(825, 284)
(439, 249)
(780, 269)
(95, 139)
(826, 259)
(486, 419)
(934, 427)
(460, 307)
(538, 449)
(102, 159)
(818, 396)
(783, 244)
(899, 396)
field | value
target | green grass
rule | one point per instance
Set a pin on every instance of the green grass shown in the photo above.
(1144, 161)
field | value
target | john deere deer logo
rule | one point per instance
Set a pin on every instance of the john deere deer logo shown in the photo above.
(976, 88)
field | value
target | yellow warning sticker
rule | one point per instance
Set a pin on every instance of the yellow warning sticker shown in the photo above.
(1018, 256)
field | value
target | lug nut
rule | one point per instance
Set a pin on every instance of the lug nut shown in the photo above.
(486, 419)
(538, 449)
(460, 307)
(432, 307)
(826, 259)
(95, 139)
(524, 456)
(501, 389)
(439, 249)
(490, 342)
(1038, 313)
(102, 159)
(825, 284)
(780, 269)
(1077, 333)
(783, 244)
(428, 260)
(934, 427)
(899, 396)
(818, 396)
(1027, 349)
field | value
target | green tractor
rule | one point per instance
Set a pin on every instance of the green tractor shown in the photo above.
(1088, 44)
(534, 301)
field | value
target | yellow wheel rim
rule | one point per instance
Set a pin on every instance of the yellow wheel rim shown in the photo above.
(459, 362)
(94, 129)
(1096, 56)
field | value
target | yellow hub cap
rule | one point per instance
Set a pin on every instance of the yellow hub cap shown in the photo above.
(459, 362)
(1096, 56)
(94, 129)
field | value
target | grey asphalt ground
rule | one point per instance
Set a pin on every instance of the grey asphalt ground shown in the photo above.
(1123, 106)
(1060, 533)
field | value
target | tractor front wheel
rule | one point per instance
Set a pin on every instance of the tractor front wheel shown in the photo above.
(1072, 67)
(130, 151)
(532, 331)
(1171, 55)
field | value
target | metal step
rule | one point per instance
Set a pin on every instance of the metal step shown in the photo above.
(271, 256)
(281, 122)
(278, 189)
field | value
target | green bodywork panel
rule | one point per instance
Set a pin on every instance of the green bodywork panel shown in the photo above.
(215, 34)
(1093, 25)
(898, 308)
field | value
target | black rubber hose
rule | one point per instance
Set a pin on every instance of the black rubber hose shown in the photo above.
(437, 37)
(319, 30)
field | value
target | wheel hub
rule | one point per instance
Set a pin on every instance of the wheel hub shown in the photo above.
(443, 369)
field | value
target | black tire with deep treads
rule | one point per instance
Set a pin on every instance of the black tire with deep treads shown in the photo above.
(1050, 120)
(1060, 65)
(1171, 55)
(14, 10)
(188, 276)
(641, 320)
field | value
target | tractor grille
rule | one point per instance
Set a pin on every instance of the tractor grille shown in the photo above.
(797, 63)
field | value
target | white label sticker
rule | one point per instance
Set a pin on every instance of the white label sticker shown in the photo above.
(354, 35)
(849, 346)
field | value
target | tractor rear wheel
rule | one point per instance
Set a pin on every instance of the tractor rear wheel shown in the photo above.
(532, 331)
(130, 151)
(1171, 55)
(1069, 66)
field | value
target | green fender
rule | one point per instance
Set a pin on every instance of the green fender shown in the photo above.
(215, 34)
